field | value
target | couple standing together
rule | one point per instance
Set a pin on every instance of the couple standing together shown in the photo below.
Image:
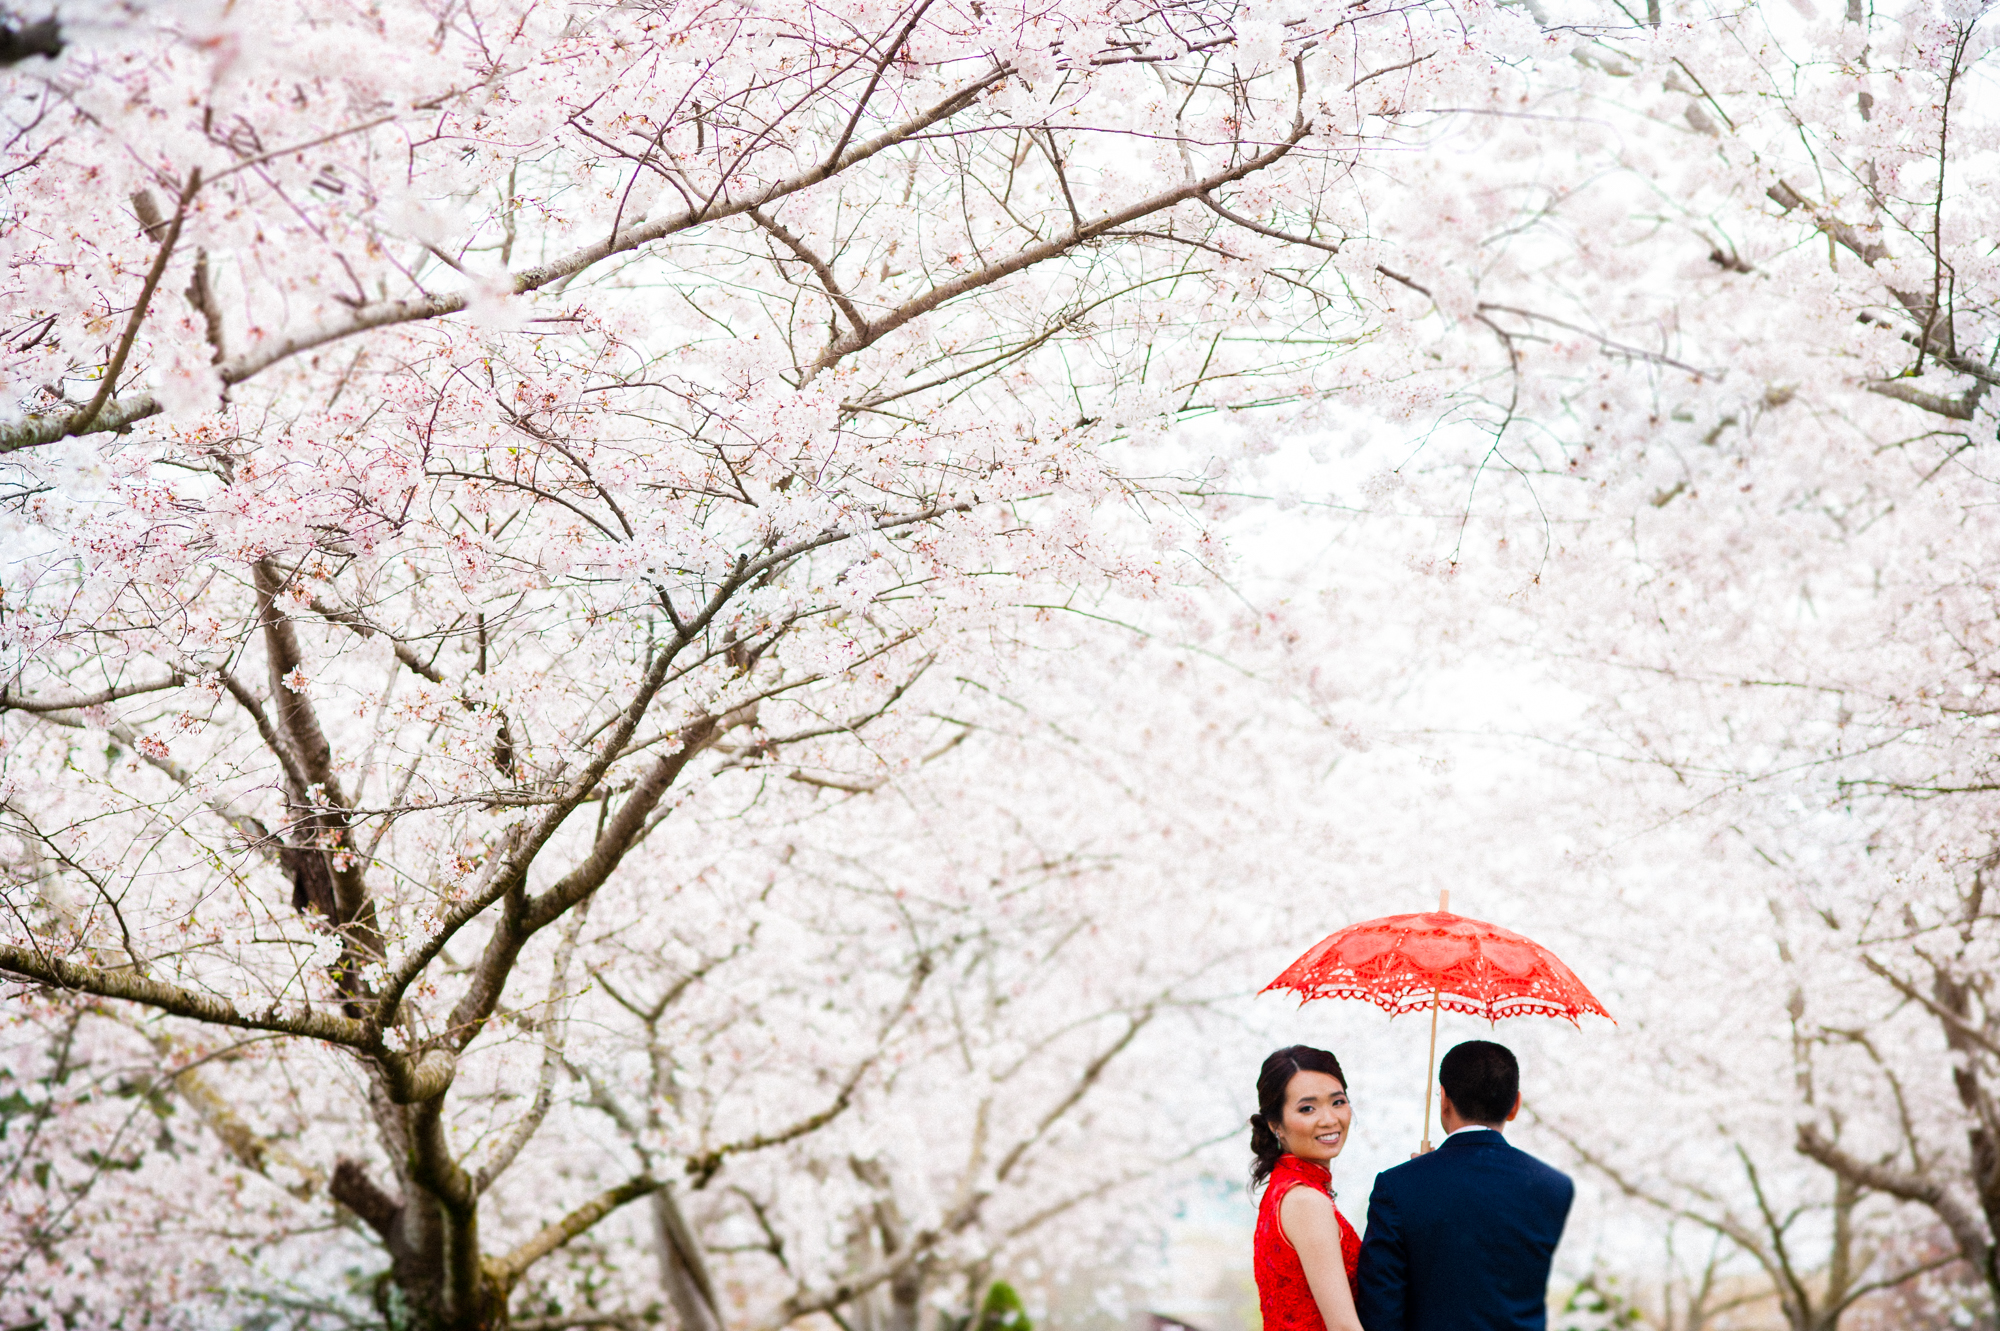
(1459, 1239)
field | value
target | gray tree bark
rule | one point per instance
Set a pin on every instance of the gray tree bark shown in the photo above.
(683, 1269)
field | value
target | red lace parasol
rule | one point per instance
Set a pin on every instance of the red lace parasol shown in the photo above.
(1407, 963)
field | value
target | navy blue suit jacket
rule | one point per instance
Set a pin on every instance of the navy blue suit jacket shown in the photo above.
(1461, 1239)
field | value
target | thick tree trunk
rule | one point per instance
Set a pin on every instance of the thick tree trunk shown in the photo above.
(1953, 997)
(436, 1279)
(906, 1300)
(683, 1269)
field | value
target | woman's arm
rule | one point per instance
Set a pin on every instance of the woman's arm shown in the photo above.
(1307, 1219)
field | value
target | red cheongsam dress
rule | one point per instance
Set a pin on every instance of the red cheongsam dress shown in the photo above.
(1282, 1291)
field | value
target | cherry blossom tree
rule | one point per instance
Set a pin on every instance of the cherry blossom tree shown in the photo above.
(456, 449)
(518, 517)
(898, 1034)
(1701, 449)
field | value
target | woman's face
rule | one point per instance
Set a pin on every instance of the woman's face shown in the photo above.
(1317, 1116)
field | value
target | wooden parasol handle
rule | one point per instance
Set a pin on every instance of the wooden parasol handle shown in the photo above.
(1444, 905)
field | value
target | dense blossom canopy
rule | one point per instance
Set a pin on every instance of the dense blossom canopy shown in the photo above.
(641, 668)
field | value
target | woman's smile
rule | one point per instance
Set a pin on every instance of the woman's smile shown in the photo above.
(1317, 1116)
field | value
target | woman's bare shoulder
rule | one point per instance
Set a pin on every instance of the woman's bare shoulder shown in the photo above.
(1301, 1201)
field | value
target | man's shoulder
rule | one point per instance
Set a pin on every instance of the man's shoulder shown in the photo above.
(1410, 1171)
(1538, 1166)
(1433, 1166)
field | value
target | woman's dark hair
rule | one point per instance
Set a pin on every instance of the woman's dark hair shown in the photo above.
(1272, 1083)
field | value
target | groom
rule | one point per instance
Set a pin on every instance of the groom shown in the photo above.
(1460, 1239)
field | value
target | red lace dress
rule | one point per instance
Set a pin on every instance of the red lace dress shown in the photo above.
(1282, 1291)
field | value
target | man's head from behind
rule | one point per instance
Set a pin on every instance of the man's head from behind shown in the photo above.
(1482, 1084)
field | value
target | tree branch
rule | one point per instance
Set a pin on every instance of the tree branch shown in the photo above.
(496, 962)
(554, 1028)
(523, 847)
(511, 1267)
(1966, 1231)
(115, 414)
(1249, 224)
(1961, 408)
(1725, 1226)
(1931, 1005)
(1847, 236)
(702, 1167)
(1860, 1292)
(139, 307)
(888, 54)
(1050, 249)
(39, 706)
(295, 775)
(364, 628)
(819, 266)
(43, 37)
(804, 1303)
(1085, 1080)
(135, 988)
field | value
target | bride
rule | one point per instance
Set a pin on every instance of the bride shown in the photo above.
(1306, 1251)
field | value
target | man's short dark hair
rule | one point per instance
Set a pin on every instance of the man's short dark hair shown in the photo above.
(1482, 1079)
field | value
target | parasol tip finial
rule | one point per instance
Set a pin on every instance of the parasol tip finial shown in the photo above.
(1444, 900)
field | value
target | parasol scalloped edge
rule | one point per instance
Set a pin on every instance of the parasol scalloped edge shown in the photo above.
(1406, 963)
